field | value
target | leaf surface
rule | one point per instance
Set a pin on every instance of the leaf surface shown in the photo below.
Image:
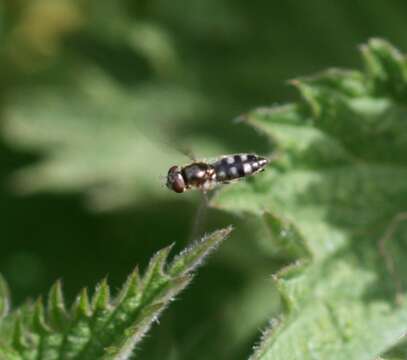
(337, 181)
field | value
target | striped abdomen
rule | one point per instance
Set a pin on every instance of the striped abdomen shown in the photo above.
(233, 167)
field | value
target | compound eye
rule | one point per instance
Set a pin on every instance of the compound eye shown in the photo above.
(178, 185)
(175, 181)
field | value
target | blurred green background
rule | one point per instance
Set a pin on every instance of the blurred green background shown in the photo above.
(96, 97)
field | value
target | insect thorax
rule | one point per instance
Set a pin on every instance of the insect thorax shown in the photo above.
(198, 174)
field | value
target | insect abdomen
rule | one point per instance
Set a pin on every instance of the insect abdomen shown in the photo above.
(233, 167)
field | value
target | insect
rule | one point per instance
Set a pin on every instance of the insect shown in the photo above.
(205, 176)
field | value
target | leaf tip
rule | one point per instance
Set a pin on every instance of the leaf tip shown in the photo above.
(81, 307)
(193, 256)
(101, 298)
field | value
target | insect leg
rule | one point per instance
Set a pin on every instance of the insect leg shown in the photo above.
(388, 259)
(199, 216)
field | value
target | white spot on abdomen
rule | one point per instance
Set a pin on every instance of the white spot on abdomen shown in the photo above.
(247, 168)
(262, 162)
(230, 160)
(221, 174)
(233, 171)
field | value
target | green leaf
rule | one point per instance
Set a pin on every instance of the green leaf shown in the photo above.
(387, 69)
(4, 298)
(336, 181)
(101, 327)
(399, 353)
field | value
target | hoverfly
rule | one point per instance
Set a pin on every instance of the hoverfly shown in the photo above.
(205, 176)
